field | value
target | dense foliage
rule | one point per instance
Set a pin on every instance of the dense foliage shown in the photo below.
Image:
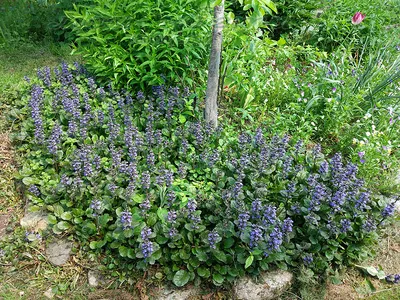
(144, 43)
(326, 24)
(32, 20)
(141, 178)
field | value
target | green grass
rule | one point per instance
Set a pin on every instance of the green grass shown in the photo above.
(22, 59)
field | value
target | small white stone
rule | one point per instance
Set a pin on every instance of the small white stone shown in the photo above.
(36, 221)
(58, 252)
(49, 294)
(95, 278)
(270, 286)
(178, 294)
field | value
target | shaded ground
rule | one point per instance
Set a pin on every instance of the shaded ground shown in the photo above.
(388, 258)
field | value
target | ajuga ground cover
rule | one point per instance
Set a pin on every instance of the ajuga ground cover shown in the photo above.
(141, 179)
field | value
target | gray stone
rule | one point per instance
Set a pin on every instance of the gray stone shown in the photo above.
(4, 219)
(178, 294)
(36, 221)
(318, 12)
(95, 278)
(269, 286)
(58, 252)
(49, 294)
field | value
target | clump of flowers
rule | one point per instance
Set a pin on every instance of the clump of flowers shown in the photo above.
(393, 278)
(141, 175)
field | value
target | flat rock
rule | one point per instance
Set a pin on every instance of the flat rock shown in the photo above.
(178, 294)
(36, 221)
(49, 294)
(95, 278)
(58, 252)
(269, 286)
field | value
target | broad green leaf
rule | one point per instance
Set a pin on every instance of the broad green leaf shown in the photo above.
(203, 272)
(123, 251)
(28, 181)
(66, 216)
(220, 255)
(181, 278)
(249, 261)
(162, 214)
(182, 119)
(372, 271)
(201, 255)
(58, 210)
(218, 278)
(63, 225)
(230, 17)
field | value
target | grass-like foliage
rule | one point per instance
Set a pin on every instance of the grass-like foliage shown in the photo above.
(141, 179)
(135, 43)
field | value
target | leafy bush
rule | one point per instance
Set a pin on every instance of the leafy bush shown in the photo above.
(140, 178)
(144, 42)
(257, 70)
(327, 24)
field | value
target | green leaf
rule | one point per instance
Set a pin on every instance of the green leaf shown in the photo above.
(220, 256)
(123, 251)
(56, 230)
(372, 271)
(138, 198)
(92, 245)
(230, 17)
(103, 220)
(58, 210)
(182, 119)
(203, 272)
(281, 41)
(28, 181)
(370, 285)
(313, 240)
(66, 216)
(329, 255)
(162, 214)
(131, 253)
(63, 225)
(281, 265)
(218, 279)
(201, 255)
(381, 275)
(52, 219)
(249, 261)
(181, 278)
(228, 242)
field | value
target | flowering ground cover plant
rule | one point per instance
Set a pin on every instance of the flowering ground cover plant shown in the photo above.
(141, 180)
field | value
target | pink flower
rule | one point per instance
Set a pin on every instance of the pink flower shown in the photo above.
(357, 18)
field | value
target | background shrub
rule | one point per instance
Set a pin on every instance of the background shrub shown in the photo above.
(144, 43)
(327, 24)
(35, 21)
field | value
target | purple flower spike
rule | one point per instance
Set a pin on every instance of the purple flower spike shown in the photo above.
(361, 155)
